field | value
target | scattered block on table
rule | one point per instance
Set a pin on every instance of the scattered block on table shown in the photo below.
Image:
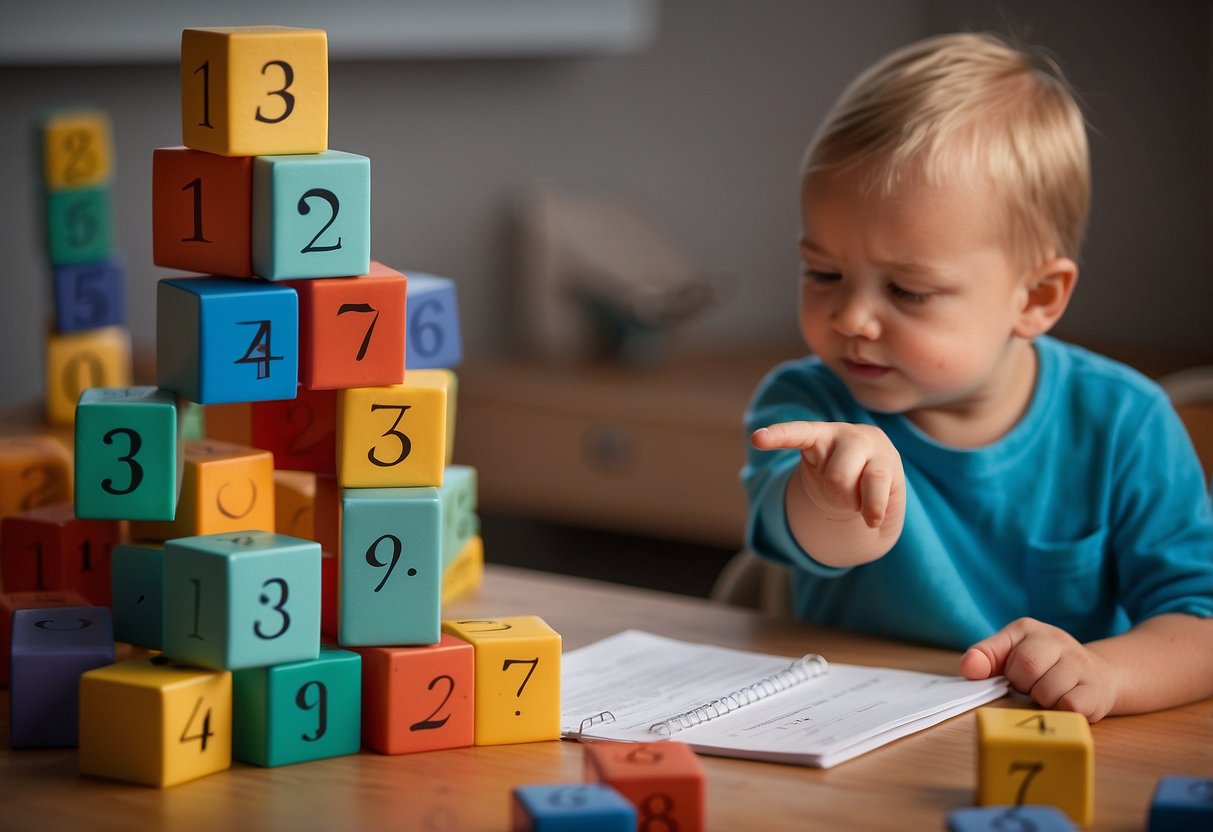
(154, 721)
(79, 225)
(294, 499)
(76, 361)
(76, 148)
(138, 590)
(578, 807)
(301, 432)
(465, 574)
(351, 329)
(224, 488)
(418, 698)
(90, 295)
(232, 422)
(1009, 819)
(394, 435)
(330, 566)
(223, 339)
(311, 215)
(35, 470)
(298, 711)
(1182, 804)
(243, 599)
(50, 649)
(10, 602)
(254, 90)
(664, 781)
(202, 214)
(126, 454)
(517, 677)
(326, 513)
(435, 341)
(460, 522)
(1036, 757)
(391, 566)
(50, 548)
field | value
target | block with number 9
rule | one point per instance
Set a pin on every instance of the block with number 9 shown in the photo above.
(394, 435)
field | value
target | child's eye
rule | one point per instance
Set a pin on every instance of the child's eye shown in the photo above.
(822, 277)
(905, 294)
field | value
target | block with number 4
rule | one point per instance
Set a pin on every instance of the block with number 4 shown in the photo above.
(664, 781)
(394, 435)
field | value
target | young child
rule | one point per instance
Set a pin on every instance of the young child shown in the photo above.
(940, 469)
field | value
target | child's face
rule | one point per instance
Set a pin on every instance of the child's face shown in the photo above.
(912, 298)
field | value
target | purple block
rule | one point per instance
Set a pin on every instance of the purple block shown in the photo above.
(50, 649)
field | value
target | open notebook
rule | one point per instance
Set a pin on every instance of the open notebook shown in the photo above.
(638, 687)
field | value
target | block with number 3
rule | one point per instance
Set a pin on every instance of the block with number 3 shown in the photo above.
(394, 435)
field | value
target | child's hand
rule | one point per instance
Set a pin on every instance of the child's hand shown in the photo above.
(1046, 663)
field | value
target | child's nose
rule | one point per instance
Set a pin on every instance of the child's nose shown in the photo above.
(854, 317)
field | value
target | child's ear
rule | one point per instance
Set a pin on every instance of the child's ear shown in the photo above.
(1047, 292)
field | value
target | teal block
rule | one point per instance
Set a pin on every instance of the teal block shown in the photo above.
(573, 807)
(226, 339)
(300, 711)
(79, 226)
(311, 215)
(460, 523)
(126, 454)
(137, 575)
(391, 567)
(433, 334)
(241, 599)
(191, 421)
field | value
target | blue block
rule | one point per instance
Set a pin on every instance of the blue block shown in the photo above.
(311, 215)
(223, 339)
(434, 340)
(460, 523)
(572, 807)
(90, 295)
(1010, 819)
(137, 573)
(1182, 804)
(391, 567)
(50, 649)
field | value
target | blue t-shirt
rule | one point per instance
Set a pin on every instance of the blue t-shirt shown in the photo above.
(1090, 514)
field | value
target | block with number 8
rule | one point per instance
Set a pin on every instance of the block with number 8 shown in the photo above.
(394, 435)
(664, 781)
(76, 148)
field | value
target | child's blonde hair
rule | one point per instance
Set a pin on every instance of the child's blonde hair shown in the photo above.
(970, 103)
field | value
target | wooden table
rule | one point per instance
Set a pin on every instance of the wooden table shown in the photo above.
(910, 784)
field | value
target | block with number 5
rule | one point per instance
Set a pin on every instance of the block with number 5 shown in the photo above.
(394, 435)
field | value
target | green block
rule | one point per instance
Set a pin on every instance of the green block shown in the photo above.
(137, 576)
(460, 522)
(300, 711)
(79, 228)
(126, 454)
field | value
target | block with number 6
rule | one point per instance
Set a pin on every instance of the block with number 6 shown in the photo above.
(435, 341)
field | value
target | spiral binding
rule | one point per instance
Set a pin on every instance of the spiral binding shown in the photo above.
(598, 719)
(801, 670)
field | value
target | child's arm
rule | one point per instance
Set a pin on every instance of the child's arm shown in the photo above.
(1162, 662)
(846, 499)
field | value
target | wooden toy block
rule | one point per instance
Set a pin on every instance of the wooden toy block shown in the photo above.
(79, 225)
(391, 553)
(311, 215)
(465, 574)
(202, 212)
(76, 148)
(580, 807)
(418, 698)
(517, 677)
(1182, 804)
(35, 470)
(245, 599)
(1038, 757)
(50, 649)
(394, 435)
(254, 90)
(231, 422)
(330, 566)
(126, 454)
(301, 432)
(77, 361)
(90, 295)
(664, 781)
(294, 498)
(10, 602)
(1009, 819)
(452, 408)
(326, 514)
(459, 520)
(299, 711)
(49, 548)
(351, 329)
(433, 329)
(191, 421)
(224, 488)
(153, 721)
(138, 590)
(221, 339)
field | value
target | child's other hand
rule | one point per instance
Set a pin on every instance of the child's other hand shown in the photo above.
(1047, 664)
(845, 469)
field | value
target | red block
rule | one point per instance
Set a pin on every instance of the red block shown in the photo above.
(301, 432)
(10, 602)
(326, 514)
(49, 548)
(328, 594)
(663, 780)
(202, 211)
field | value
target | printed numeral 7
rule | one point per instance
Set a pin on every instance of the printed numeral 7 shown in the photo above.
(361, 307)
(1031, 769)
(534, 663)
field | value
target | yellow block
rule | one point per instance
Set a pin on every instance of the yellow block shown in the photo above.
(77, 149)
(35, 470)
(152, 721)
(452, 397)
(394, 436)
(79, 360)
(1036, 757)
(465, 573)
(517, 677)
(255, 90)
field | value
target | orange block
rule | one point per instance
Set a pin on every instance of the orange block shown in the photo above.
(49, 548)
(301, 432)
(351, 329)
(229, 422)
(418, 698)
(663, 780)
(294, 498)
(34, 470)
(202, 211)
